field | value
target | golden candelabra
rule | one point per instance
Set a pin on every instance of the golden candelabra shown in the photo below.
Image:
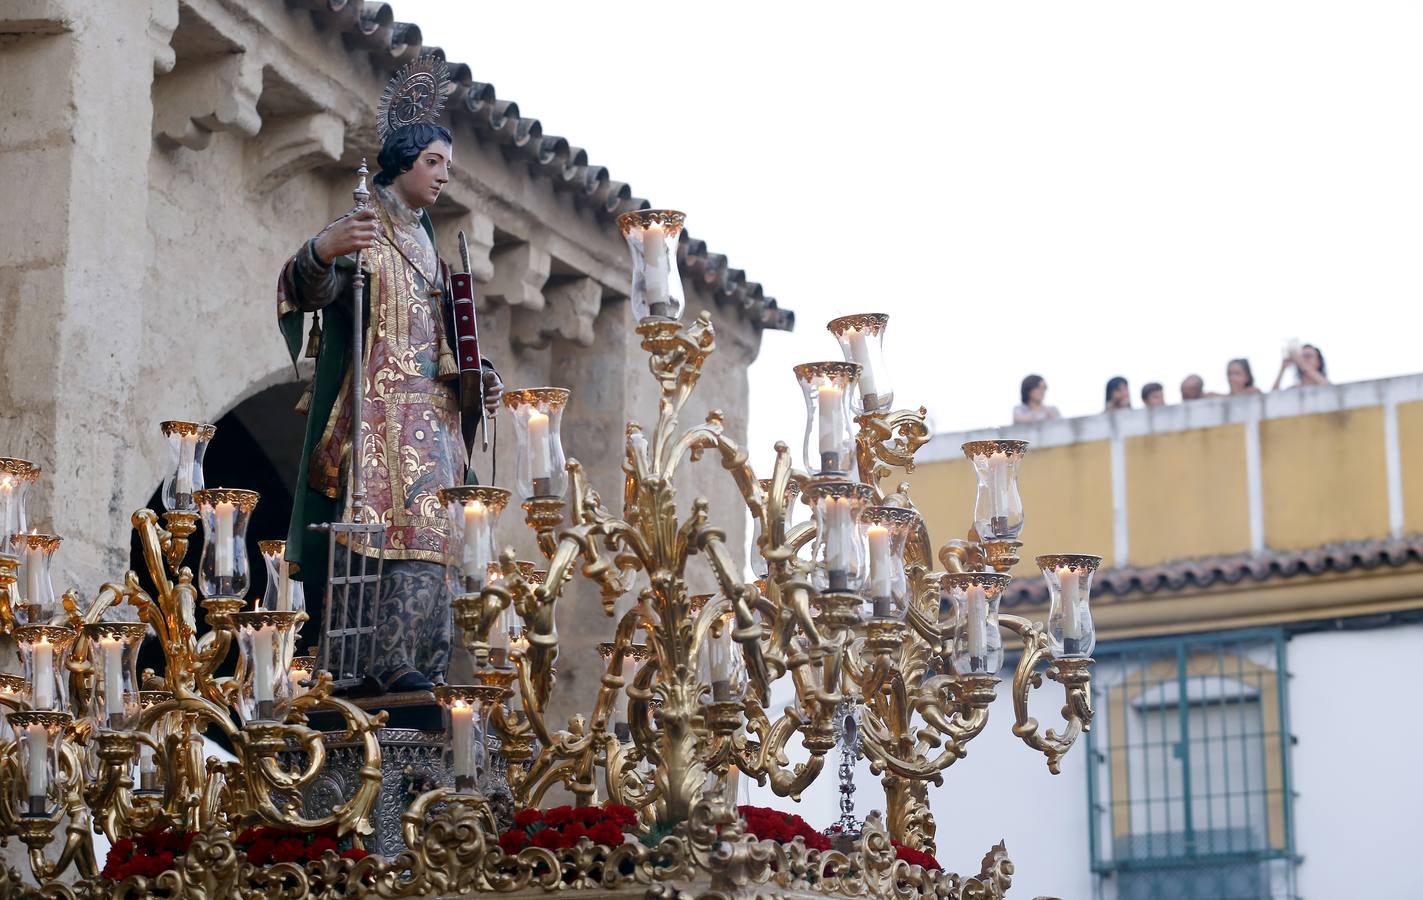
(854, 606)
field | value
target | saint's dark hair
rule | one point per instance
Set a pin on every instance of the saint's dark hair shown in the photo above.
(404, 146)
(1030, 384)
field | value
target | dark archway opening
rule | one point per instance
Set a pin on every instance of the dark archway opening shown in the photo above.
(258, 447)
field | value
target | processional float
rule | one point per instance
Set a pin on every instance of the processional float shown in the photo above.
(854, 608)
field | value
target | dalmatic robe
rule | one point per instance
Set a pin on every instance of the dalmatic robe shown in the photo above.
(411, 440)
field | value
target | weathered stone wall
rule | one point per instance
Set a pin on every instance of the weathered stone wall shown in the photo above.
(164, 158)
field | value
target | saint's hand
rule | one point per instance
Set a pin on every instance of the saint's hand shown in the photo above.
(493, 391)
(356, 231)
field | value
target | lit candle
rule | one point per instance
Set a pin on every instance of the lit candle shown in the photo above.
(1070, 594)
(476, 532)
(9, 507)
(462, 739)
(881, 572)
(297, 676)
(832, 423)
(262, 664)
(540, 462)
(977, 627)
(284, 585)
(225, 513)
(719, 650)
(837, 542)
(187, 451)
(655, 269)
(998, 470)
(147, 769)
(860, 353)
(42, 689)
(36, 776)
(112, 650)
(34, 560)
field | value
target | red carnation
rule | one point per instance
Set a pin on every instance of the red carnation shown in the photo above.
(548, 839)
(606, 833)
(355, 853)
(290, 849)
(316, 848)
(526, 818)
(260, 853)
(572, 832)
(559, 816)
(513, 841)
(588, 816)
(623, 816)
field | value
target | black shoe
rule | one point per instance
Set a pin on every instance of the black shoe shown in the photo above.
(408, 682)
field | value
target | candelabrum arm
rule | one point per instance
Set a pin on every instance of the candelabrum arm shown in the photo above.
(37, 832)
(889, 439)
(1073, 674)
(257, 748)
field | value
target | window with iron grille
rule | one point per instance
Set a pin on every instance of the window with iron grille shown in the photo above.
(1189, 775)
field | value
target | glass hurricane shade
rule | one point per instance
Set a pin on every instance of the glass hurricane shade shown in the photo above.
(997, 506)
(187, 445)
(16, 476)
(829, 447)
(34, 792)
(113, 703)
(887, 530)
(720, 665)
(473, 512)
(507, 633)
(977, 647)
(652, 237)
(284, 593)
(790, 501)
(44, 650)
(839, 556)
(224, 570)
(861, 339)
(538, 423)
(33, 598)
(150, 777)
(263, 639)
(465, 714)
(1071, 633)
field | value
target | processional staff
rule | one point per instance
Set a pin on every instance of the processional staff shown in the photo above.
(357, 481)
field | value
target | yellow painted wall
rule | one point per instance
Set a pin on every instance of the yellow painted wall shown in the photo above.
(1324, 478)
(943, 493)
(1410, 447)
(1187, 495)
(1067, 501)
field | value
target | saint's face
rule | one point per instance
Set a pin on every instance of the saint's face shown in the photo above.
(421, 185)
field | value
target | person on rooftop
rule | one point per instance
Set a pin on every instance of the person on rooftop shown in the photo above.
(1118, 393)
(1033, 409)
(1240, 378)
(1308, 363)
(1153, 394)
(1193, 387)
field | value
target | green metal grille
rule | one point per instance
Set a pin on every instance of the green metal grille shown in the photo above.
(1189, 777)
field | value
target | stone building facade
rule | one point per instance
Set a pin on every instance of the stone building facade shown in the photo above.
(164, 157)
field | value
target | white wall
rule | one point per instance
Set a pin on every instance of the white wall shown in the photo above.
(1355, 708)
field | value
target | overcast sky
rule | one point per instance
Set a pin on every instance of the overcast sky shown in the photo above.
(1079, 190)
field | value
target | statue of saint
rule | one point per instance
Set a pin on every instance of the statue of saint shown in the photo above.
(412, 443)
